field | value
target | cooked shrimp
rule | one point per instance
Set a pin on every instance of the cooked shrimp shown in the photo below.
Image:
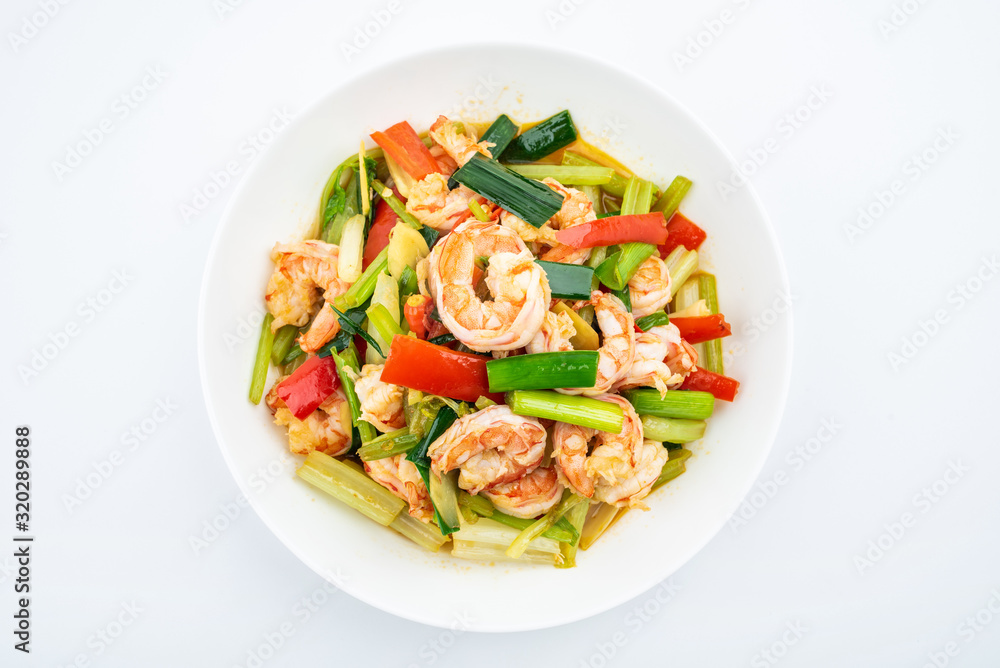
(304, 280)
(618, 469)
(398, 475)
(528, 233)
(460, 147)
(591, 475)
(617, 352)
(662, 360)
(436, 206)
(519, 287)
(554, 335)
(627, 476)
(327, 429)
(576, 209)
(681, 357)
(533, 495)
(649, 288)
(491, 447)
(381, 403)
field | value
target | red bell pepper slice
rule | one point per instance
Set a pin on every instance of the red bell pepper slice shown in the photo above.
(423, 366)
(415, 310)
(646, 227)
(378, 234)
(401, 143)
(309, 386)
(702, 328)
(682, 232)
(722, 387)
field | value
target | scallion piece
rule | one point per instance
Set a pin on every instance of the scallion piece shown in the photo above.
(671, 198)
(398, 207)
(576, 175)
(680, 266)
(387, 326)
(675, 430)
(543, 371)
(658, 319)
(388, 445)
(500, 133)
(576, 517)
(582, 411)
(617, 273)
(712, 359)
(687, 404)
(616, 186)
(358, 293)
(673, 467)
(529, 200)
(293, 353)
(568, 281)
(560, 531)
(617, 270)
(542, 524)
(351, 487)
(261, 362)
(283, 342)
(418, 455)
(348, 359)
(552, 134)
(478, 211)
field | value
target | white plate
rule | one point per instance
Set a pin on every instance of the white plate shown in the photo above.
(648, 131)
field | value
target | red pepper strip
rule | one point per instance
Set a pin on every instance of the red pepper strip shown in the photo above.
(645, 227)
(682, 232)
(415, 310)
(424, 366)
(401, 143)
(378, 234)
(309, 386)
(702, 328)
(722, 387)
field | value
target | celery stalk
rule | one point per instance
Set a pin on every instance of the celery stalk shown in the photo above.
(673, 430)
(424, 534)
(261, 361)
(351, 487)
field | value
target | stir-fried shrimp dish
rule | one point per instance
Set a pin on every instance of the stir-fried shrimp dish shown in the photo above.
(496, 340)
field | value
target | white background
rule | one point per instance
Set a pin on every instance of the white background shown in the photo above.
(795, 560)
